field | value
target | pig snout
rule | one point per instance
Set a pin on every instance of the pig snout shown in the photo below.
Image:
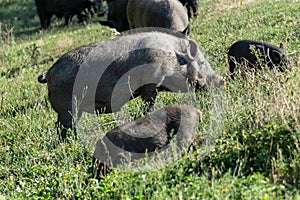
(215, 81)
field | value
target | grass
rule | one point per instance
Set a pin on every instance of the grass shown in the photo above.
(248, 146)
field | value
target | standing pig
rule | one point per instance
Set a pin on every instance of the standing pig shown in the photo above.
(169, 14)
(64, 8)
(105, 75)
(192, 7)
(117, 16)
(150, 134)
(254, 54)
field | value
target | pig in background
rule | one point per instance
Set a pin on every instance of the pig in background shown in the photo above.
(168, 14)
(129, 14)
(103, 76)
(150, 134)
(67, 9)
(255, 55)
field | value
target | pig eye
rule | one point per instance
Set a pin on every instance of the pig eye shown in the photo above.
(200, 76)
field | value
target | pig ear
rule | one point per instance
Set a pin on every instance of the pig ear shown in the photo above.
(281, 46)
(192, 49)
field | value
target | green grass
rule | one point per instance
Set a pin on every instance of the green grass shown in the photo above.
(248, 146)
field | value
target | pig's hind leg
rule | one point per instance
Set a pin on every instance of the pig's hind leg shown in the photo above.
(149, 93)
(66, 121)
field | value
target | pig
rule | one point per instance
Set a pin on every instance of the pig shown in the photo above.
(103, 76)
(150, 134)
(117, 16)
(192, 7)
(254, 55)
(168, 14)
(65, 8)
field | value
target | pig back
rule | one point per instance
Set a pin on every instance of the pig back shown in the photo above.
(149, 13)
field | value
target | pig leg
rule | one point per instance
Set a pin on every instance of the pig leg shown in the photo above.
(193, 6)
(80, 17)
(189, 11)
(45, 19)
(65, 122)
(148, 95)
(184, 136)
(99, 169)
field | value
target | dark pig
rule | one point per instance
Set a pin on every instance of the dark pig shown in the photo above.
(254, 55)
(150, 134)
(192, 7)
(65, 8)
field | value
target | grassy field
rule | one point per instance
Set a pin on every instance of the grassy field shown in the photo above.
(248, 146)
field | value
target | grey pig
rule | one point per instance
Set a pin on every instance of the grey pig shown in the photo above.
(169, 14)
(117, 14)
(150, 134)
(252, 54)
(103, 76)
(67, 9)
